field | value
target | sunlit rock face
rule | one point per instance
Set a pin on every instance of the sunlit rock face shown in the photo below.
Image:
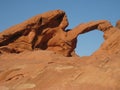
(38, 54)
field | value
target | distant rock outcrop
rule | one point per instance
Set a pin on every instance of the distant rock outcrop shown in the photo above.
(118, 24)
(47, 32)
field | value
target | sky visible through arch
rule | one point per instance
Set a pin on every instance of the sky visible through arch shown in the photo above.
(78, 11)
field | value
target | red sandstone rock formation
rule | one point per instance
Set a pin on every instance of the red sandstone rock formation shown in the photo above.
(37, 67)
(33, 33)
(47, 32)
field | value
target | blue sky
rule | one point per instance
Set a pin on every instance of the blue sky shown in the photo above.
(78, 11)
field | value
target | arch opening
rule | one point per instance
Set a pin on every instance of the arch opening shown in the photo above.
(89, 42)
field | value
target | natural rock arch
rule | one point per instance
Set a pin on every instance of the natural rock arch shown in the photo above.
(47, 32)
(89, 42)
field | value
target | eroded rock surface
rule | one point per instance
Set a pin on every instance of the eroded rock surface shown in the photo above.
(33, 56)
(44, 70)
